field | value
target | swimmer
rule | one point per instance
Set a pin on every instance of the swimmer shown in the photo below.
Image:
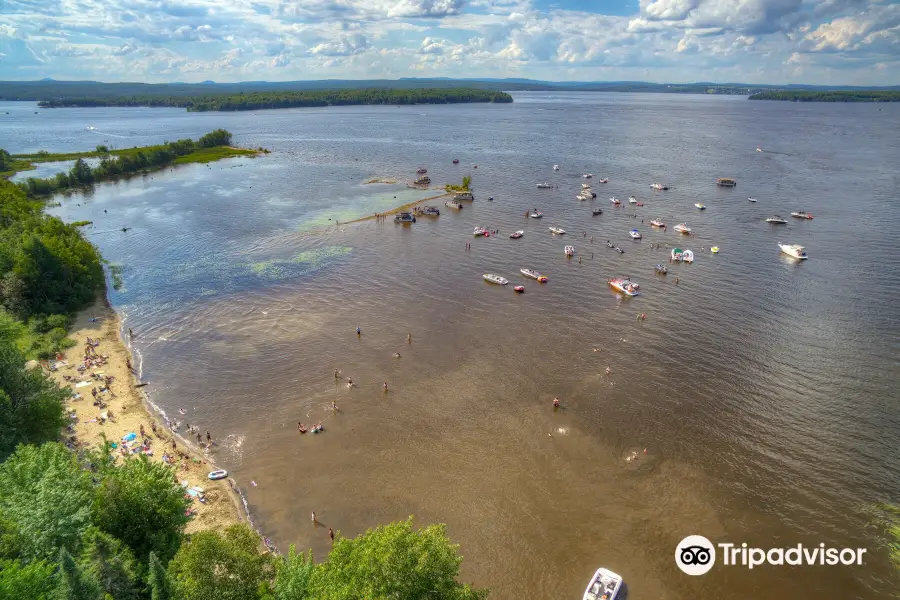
(181, 411)
(358, 331)
(598, 349)
(396, 355)
(608, 370)
(337, 374)
(385, 386)
(333, 406)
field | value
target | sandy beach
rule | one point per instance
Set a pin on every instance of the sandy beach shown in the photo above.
(126, 410)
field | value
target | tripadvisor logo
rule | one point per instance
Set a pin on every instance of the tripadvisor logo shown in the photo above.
(696, 555)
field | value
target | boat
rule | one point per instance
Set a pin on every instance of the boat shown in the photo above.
(751, 199)
(421, 170)
(455, 161)
(453, 204)
(532, 274)
(516, 235)
(603, 180)
(658, 223)
(570, 250)
(458, 196)
(430, 211)
(714, 249)
(536, 214)
(557, 230)
(491, 278)
(639, 204)
(596, 212)
(758, 149)
(615, 201)
(662, 269)
(218, 474)
(635, 234)
(609, 244)
(726, 182)
(588, 175)
(658, 186)
(677, 254)
(632, 200)
(519, 289)
(556, 167)
(604, 585)
(793, 250)
(700, 205)
(424, 180)
(585, 186)
(544, 186)
(682, 228)
(801, 214)
(479, 231)
(625, 286)
(776, 220)
(619, 250)
(404, 217)
(584, 195)
(687, 256)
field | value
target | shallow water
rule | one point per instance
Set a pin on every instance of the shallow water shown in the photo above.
(760, 386)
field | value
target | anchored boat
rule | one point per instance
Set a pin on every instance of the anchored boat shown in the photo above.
(687, 256)
(658, 223)
(479, 231)
(430, 211)
(626, 286)
(544, 186)
(536, 214)
(635, 234)
(570, 250)
(467, 196)
(776, 220)
(800, 214)
(404, 217)
(632, 200)
(658, 186)
(596, 212)
(557, 230)
(700, 205)
(662, 269)
(516, 234)
(491, 278)
(682, 228)
(604, 585)
(793, 250)
(453, 204)
(532, 274)
(726, 182)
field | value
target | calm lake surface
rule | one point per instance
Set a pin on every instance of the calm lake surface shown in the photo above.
(764, 389)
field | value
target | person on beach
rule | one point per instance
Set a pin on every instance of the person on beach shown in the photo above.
(208, 438)
(130, 333)
(174, 447)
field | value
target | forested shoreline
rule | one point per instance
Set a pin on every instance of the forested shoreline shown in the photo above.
(829, 96)
(268, 100)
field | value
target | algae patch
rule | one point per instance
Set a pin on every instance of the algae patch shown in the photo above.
(302, 264)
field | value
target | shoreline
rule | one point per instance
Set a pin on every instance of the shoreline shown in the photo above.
(395, 210)
(129, 407)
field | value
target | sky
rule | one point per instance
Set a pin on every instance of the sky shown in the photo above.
(832, 42)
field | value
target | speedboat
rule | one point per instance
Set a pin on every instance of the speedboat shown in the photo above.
(793, 250)
(557, 230)
(536, 214)
(463, 196)
(588, 175)
(625, 286)
(516, 235)
(800, 214)
(596, 212)
(421, 170)
(532, 274)
(682, 228)
(585, 186)
(700, 205)
(632, 200)
(453, 204)
(404, 217)
(635, 234)
(609, 244)
(677, 254)
(658, 223)
(570, 250)
(714, 249)
(584, 195)
(662, 269)
(479, 231)
(615, 201)
(687, 256)
(751, 199)
(619, 250)
(544, 186)
(519, 289)
(430, 211)
(658, 186)
(491, 278)
(556, 167)
(603, 180)
(604, 585)
(776, 220)
(423, 180)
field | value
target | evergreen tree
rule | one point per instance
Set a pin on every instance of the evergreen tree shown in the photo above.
(159, 581)
(73, 583)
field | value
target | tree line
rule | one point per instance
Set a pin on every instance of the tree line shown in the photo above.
(291, 99)
(111, 166)
(830, 96)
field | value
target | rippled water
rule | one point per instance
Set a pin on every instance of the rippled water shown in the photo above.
(760, 386)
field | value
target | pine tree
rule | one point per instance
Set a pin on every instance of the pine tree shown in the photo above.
(73, 584)
(159, 584)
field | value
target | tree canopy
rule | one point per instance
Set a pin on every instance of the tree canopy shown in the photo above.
(829, 96)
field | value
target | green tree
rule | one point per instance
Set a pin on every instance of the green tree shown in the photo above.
(221, 566)
(109, 562)
(158, 580)
(102, 148)
(32, 581)
(140, 504)
(73, 583)
(46, 495)
(81, 172)
(466, 181)
(293, 574)
(393, 561)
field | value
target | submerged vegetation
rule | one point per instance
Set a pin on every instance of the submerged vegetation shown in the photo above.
(830, 96)
(291, 99)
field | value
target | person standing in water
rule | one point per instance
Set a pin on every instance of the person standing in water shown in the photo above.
(409, 338)
(358, 331)
(385, 386)
(331, 534)
(314, 521)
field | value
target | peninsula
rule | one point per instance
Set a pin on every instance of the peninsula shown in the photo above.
(830, 96)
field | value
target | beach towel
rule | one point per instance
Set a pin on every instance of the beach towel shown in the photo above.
(128, 437)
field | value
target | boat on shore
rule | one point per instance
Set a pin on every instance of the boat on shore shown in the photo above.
(536, 214)
(532, 274)
(793, 250)
(404, 217)
(801, 214)
(726, 182)
(658, 223)
(683, 228)
(516, 234)
(491, 278)
(557, 230)
(635, 234)
(544, 186)
(625, 285)
(776, 220)
(700, 205)
(604, 585)
(597, 211)
(460, 196)
(661, 269)
(569, 250)
(453, 204)
(218, 474)
(658, 186)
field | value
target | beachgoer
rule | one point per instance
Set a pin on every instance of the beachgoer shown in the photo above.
(173, 444)
(331, 534)
(314, 518)
(349, 381)
(208, 438)
(385, 386)
(409, 338)
(396, 355)
(358, 331)
(142, 430)
(676, 281)
(199, 439)
(556, 403)
(130, 333)
(336, 375)
(333, 406)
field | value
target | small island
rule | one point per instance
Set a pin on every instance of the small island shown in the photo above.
(288, 99)
(829, 96)
(115, 163)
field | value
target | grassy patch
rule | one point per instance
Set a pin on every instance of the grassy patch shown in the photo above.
(115, 273)
(205, 155)
(81, 223)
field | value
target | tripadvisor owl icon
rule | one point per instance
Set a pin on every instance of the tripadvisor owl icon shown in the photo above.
(695, 555)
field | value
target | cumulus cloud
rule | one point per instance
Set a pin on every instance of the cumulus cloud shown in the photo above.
(344, 45)
(425, 8)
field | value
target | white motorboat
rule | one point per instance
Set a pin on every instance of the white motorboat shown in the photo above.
(453, 204)
(632, 200)
(463, 196)
(682, 228)
(635, 234)
(404, 217)
(751, 199)
(677, 255)
(687, 256)
(479, 231)
(700, 205)
(603, 180)
(556, 167)
(516, 234)
(585, 186)
(570, 250)
(658, 186)
(658, 223)
(536, 214)
(793, 250)
(588, 175)
(604, 585)
(491, 278)
(801, 214)
(532, 274)
(584, 195)
(776, 220)
(544, 186)
(625, 285)
(557, 230)
(615, 201)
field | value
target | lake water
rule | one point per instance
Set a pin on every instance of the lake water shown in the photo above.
(763, 389)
